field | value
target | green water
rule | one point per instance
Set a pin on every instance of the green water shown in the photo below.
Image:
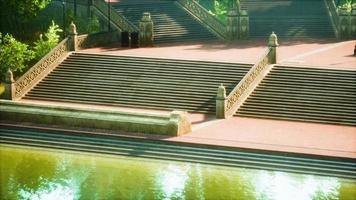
(34, 173)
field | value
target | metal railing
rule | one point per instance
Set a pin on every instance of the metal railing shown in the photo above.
(119, 20)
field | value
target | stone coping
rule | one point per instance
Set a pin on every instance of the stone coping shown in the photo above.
(174, 124)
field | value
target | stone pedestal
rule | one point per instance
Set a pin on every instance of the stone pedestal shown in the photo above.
(179, 123)
(232, 24)
(221, 102)
(273, 44)
(344, 24)
(146, 30)
(9, 86)
(73, 34)
(244, 25)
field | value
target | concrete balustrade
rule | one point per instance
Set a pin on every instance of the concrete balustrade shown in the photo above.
(226, 106)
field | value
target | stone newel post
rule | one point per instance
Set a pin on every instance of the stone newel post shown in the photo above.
(9, 86)
(146, 30)
(273, 44)
(232, 23)
(344, 24)
(221, 102)
(73, 44)
(244, 25)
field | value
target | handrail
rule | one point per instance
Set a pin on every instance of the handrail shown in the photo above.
(239, 94)
(41, 69)
(119, 20)
(205, 16)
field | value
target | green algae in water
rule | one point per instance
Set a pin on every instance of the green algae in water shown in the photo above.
(36, 173)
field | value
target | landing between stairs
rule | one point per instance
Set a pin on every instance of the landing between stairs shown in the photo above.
(315, 53)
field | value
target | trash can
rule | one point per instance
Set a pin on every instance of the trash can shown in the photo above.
(134, 40)
(125, 41)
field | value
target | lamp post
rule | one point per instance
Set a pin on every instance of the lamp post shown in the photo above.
(109, 19)
(64, 17)
(75, 7)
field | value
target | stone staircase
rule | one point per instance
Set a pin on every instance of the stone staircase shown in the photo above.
(171, 23)
(165, 150)
(304, 94)
(138, 82)
(289, 18)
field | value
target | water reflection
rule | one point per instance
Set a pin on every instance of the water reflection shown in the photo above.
(48, 174)
(281, 186)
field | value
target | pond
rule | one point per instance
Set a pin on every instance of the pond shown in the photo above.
(39, 173)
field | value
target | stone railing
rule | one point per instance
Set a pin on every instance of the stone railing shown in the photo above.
(202, 14)
(244, 88)
(172, 124)
(97, 39)
(226, 106)
(120, 21)
(40, 69)
(333, 14)
(344, 20)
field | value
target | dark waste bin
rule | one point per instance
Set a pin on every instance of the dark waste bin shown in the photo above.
(134, 40)
(125, 39)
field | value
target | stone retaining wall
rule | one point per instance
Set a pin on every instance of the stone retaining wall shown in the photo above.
(174, 124)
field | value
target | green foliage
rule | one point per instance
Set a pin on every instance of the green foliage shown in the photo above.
(14, 54)
(346, 4)
(43, 46)
(93, 25)
(218, 8)
(17, 16)
(25, 9)
(84, 25)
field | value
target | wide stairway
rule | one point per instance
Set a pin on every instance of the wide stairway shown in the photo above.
(289, 18)
(138, 82)
(304, 94)
(171, 23)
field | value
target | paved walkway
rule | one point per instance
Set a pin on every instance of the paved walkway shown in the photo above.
(319, 53)
(263, 134)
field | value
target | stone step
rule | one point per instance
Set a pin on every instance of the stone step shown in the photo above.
(289, 18)
(324, 96)
(169, 19)
(61, 139)
(138, 82)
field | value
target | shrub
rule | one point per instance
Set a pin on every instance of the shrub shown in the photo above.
(43, 46)
(14, 55)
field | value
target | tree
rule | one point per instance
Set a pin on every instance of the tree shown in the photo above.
(14, 55)
(43, 46)
(15, 14)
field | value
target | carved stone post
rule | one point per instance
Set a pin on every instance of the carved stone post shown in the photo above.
(9, 86)
(179, 123)
(353, 23)
(221, 102)
(244, 25)
(273, 44)
(73, 41)
(344, 24)
(232, 24)
(146, 30)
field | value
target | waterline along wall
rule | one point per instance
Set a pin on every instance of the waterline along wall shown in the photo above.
(174, 124)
